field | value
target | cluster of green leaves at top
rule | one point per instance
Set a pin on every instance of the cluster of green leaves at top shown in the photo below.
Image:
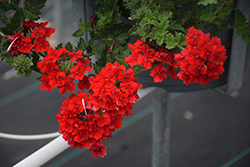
(12, 15)
(108, 34)
(167, 22)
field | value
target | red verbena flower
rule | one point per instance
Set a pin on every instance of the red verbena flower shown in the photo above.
(159, 73)
(202, 60)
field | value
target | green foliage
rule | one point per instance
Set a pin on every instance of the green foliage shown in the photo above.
(82, 28)
(34, 6)
(35, 59)
(22, 64)
(120, 60)
(15, 23)
(242, 26)
(5, 56)
(81, 44)
(3, 40)
(69, 47)
(59, 46)
(164, 22)
(206, 2)
(121, 33)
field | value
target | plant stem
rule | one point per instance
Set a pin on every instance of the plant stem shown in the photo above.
(222, 5)
(2, 34)
(179, 46)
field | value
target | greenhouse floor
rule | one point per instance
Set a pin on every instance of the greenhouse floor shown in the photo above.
(208, 129)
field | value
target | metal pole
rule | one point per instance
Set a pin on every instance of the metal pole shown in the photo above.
(44, 154)
(161, 128)
(58, 16)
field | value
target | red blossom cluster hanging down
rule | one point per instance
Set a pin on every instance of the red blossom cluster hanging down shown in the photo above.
(144, 54)
(113, 92)
(202, 60)
(59, 72)
(34, 38)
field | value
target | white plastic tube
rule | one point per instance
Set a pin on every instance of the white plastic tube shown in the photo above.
(29, 137)
(44, 154)
(56, 146)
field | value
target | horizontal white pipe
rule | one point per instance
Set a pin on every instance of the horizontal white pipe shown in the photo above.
(44, 154)
(58, 145)
(29, 137)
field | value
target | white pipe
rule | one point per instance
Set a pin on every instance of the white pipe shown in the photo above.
(44, 154)
(29, 137)
(57, 146)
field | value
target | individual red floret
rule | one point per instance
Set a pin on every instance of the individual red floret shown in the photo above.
(41, 45)
(159, 73)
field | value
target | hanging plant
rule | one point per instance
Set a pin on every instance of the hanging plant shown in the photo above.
(171, 40)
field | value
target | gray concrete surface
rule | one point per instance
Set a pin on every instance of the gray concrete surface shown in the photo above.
(208, 129)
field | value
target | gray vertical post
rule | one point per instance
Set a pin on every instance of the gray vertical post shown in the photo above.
(161, 128)
(58, 16)
(238, 55)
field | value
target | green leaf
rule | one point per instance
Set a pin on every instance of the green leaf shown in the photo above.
(35, 59)
(208, 16)
(78, 33)
(3, 40)
(167, 4)
(13, 5)
(34, 6)
(176, 26)
(59, 46)
(120, 60)
(15, 23)
(19, 73)
(241, 26)
(27, 73)
(206, 2)
(81, 44)
(170, 41)
(180, 38)
(5, 56)
(30, 15)
(81, 24)
(69, 47)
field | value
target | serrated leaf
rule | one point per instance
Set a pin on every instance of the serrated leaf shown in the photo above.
(59, 46)
(29, 15)
(15, 23)
(206, 2)
(176, 26)
(81, 44)
(78, 33)
(34, 6)
(81, 24)
(241, 26)
(170, 41)
(180, 38)
(120, 60)
(69, 47)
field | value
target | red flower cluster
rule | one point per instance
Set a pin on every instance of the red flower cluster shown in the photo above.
(114, 91)
(114, 88)
(59, 72)
(36, 39)
(144, 54)
(202, 60)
